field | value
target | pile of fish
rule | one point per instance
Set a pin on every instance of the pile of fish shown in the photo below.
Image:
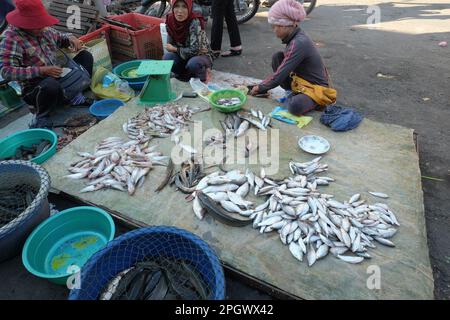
(157, 279)
(223, 197)
(159, 121)
(229, 102)
(233, 125)
(311, 223)
(28, 153)
(190, 173)
(116, 164)
(256, 118)
(236, 125)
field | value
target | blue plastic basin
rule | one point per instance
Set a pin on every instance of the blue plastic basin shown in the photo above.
(104, 108)
(66, 240)
(138, 245)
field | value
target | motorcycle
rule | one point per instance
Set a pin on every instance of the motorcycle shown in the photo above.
(245, 9)
(6, 7)
(309, 5)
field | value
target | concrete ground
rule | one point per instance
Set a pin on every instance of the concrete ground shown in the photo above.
(393, 71)
(411, 89)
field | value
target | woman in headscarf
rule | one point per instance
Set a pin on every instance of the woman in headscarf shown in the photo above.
(187, 44)
(300, 58)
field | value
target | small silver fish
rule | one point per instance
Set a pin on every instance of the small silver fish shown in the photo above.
(379, 194)
(198, 210)
(243, 190)
(296, 250)
(311, 255)
(351, 259)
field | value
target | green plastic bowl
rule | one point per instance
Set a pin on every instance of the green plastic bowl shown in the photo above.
(64, 242)
(226, 94)
(27, 138)
(127, 70)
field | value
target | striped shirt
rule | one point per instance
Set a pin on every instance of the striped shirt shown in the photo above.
(22, 54)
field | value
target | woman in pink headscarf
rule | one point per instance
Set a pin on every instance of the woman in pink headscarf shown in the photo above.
(300, 57)
(188, 44)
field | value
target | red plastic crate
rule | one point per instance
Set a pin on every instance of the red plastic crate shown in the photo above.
(142, 44)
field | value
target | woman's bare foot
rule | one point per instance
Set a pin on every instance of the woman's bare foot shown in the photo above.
(208, 75)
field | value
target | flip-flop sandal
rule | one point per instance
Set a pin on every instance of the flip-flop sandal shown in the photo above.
(231, 53)
(216, 54)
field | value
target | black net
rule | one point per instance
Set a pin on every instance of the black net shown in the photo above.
(23, 191)
(15, 200)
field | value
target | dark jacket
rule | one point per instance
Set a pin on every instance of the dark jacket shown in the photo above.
(300, 57)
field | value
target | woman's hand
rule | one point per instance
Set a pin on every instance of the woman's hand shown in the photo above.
(171, 48)
(255, 91)
(50, 71)
(75, 44)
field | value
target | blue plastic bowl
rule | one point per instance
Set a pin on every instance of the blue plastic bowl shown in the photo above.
(103, 108)
(66, 241)
(135, 246)
(137, 86)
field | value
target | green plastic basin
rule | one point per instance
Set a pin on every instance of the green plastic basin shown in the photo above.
(128, 71)
(64, 242)
(27, 138)
(227, 94)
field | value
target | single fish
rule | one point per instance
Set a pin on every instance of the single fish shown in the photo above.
(351, 259)
(243, 190)
(198, 210)
(296, 250)
(379, 194)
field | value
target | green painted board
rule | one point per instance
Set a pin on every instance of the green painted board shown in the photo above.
(155, 67)
(374, 157)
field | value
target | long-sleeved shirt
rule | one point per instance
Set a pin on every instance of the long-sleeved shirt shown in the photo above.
(196, 43)
(22, 54)
(300, 57)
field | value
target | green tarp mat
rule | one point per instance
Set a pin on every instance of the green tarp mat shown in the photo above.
(373, 157)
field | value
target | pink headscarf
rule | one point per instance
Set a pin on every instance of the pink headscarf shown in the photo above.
(286, 13)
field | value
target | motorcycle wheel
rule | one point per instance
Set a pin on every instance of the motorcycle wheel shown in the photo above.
(153, 8)
(253, 6)
(309, 5)
(3, 25)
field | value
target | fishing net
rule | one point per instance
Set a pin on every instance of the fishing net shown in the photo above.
(155, 263)
(24, 188)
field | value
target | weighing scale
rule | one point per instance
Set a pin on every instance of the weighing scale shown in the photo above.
(157, 88)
